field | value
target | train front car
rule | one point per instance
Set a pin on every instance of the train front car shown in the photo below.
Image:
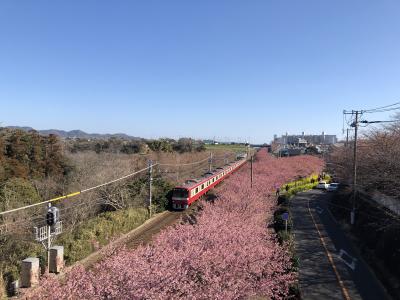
(180, 198)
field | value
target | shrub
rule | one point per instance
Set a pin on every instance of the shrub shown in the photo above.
(279, 223)
(11, 252)
(389, 249)
(284, 236)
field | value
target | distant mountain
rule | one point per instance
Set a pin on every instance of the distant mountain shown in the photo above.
(77, 134)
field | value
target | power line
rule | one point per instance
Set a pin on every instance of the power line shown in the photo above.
(384, 121)
(96, 187)
(75, 193)
(382, 108)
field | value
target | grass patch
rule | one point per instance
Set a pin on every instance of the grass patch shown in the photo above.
(99, 231)
(227, 147)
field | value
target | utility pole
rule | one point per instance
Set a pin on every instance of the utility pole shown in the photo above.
(150, 183)
(353, 212)
(210, 162)
(251, 172)
(347, 138)
(355, 125)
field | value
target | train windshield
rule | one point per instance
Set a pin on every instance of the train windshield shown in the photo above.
(180, 193)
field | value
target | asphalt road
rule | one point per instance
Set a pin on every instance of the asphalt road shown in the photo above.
(329, 266)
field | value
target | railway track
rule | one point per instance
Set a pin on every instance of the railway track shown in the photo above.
(143, 234)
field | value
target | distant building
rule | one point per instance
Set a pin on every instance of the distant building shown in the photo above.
(303, 139)
(208, 142)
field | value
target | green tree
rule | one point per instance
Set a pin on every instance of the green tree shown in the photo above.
(17, 192)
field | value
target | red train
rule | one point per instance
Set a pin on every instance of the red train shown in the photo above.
(193, 189)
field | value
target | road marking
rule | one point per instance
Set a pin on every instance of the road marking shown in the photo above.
(346, 258)
(338, 278)
(319, 210)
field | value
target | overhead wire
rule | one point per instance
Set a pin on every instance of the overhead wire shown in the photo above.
(384, 108)
(31, 219)
(95, 187)
(75, 193)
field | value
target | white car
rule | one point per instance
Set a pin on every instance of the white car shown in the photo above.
(333, 187)
(322, 185)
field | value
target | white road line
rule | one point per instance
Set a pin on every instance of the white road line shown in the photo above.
(346, 258)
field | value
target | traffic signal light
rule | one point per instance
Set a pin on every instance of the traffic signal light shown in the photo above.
(50, 218)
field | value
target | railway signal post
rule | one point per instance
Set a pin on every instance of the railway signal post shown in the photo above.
(47, 234)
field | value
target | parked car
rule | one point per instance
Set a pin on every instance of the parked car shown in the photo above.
(322, 185)
(333, 187)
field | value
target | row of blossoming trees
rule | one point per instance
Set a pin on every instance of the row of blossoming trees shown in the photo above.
(228, 254)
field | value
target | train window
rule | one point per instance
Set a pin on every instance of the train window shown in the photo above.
(197, 190)
(202, 186)
(180, 193)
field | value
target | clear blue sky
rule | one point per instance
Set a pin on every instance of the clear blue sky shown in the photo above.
(235, 69)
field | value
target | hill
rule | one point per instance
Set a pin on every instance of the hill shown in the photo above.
(77, 133)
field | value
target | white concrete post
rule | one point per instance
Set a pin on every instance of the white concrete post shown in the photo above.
(56, 259)
(30, 272)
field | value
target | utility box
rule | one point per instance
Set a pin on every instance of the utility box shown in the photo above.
(56, 263)
(30, 272)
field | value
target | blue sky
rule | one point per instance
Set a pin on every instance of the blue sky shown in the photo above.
(230, 69)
